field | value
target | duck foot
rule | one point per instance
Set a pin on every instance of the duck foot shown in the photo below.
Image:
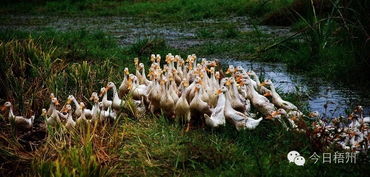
(187, 127)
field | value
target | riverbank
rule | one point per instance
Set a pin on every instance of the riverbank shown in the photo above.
(326, 43)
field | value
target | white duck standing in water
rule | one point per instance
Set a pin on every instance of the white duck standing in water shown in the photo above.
(276, 99)
(20, 121)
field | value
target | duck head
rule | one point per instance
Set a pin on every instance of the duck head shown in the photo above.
(110, 85)
(102, 91)
(6, 106)
(136, 62)
(43, 112)
(126, 71)
(55, 101)
(94, 97)
(229, 70)
(217, 75)
(197, 87)
(152, 58)
(66, 108)
(158, 58)
(70, 99)
(141, 66)
(266, 83)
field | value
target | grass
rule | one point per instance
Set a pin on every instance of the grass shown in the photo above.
(172, 10)
(147, 146)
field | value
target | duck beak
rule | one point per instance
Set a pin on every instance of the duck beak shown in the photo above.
(294, 118)
(64, 110)
(69, 101)
(268, 94)
(350, 117)
(106, 89)
(3, 108)
(227, 71)
(228, 83)
(262, 84)
(200, 82)
(275, 113)
(272, 115)
(218, 91)
(57, 103)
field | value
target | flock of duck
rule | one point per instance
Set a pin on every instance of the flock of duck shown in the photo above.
(194, 91)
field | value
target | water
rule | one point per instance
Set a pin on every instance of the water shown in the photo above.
(328, 98)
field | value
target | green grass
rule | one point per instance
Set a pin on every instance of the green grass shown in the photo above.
(169, 10)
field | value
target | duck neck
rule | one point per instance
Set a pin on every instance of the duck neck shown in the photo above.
(82, 114)
(227, 100)
(115, 92)
(143, 73)
(221, 100)
(11, 114)
(273, 90)
(256, 79)
(75, 102)
(70, 118)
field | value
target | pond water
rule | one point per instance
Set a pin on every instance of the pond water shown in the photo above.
(330, 99)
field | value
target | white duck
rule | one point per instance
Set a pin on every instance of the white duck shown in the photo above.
(95, 109)
(277, 100)
(53, 104)
(138, 90)
(117, 103)
(218, 113)
(70, 124)
(261, 103)
(182, 108)
(78, 110)
(106, 103)
(106, 114)
(123, 88)
(20, 121)
(82, 121)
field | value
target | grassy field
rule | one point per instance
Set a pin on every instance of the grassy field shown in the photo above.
(162, 10)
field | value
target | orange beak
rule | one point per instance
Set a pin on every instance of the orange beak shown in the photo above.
(64, 109)
(57, 103)
(228, 83)
(218, 91)
(69, 101)
(273, 115)
(3, 108)
(262, 84)
(268, 94)
(227, 71)
(294, 118)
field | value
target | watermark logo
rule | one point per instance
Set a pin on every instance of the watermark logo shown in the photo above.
(337, 157)
(294, 156)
